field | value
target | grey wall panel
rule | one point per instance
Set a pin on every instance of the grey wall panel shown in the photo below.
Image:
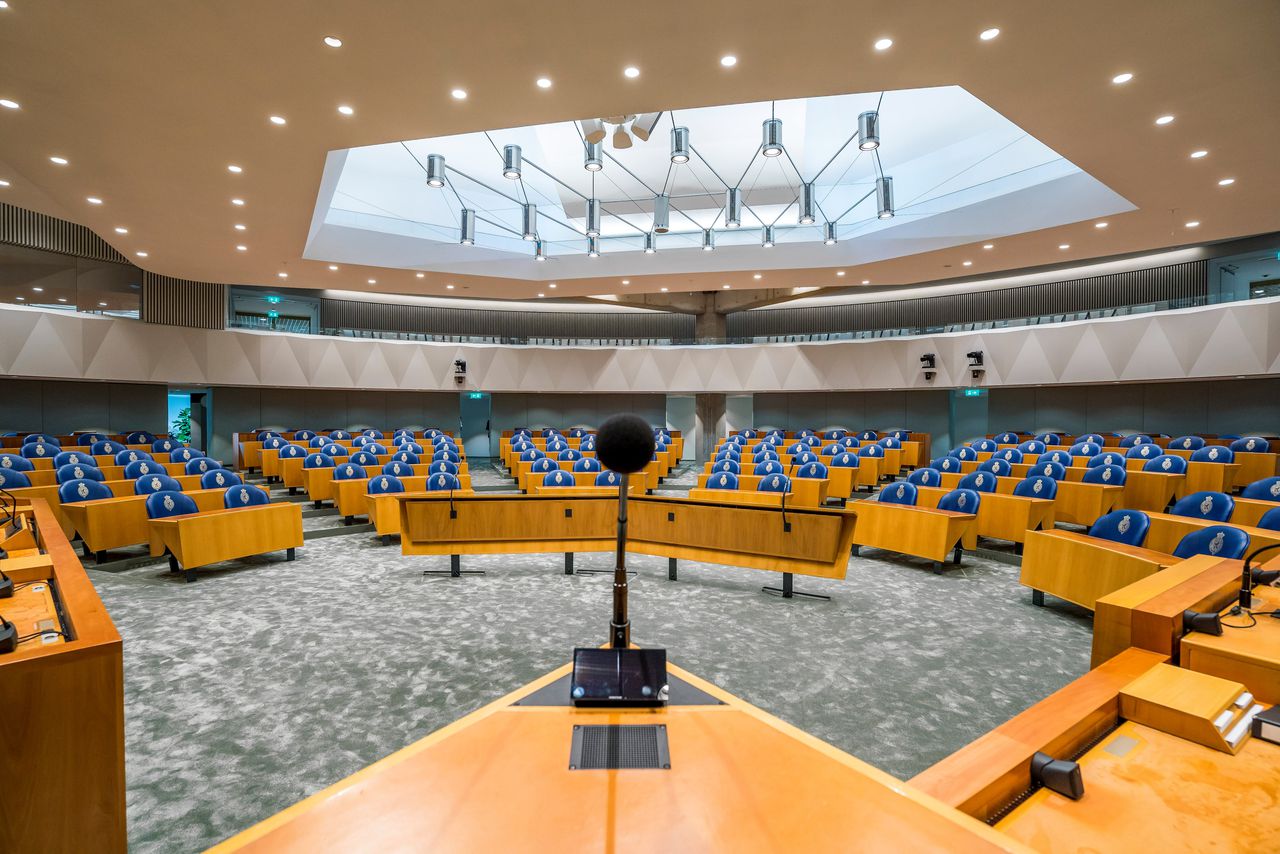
(283, 407)
(1062, 409)
(1243, 406)
(23, 409)
(62, 407)
(70, 407)
(565, 410)
(1113, 408)
(135, 406)
(367, 409)
(1012, 409)
(926, 412)
(1176, 408)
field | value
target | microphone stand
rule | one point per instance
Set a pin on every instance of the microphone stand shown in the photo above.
(620, 625)
(1246, 579)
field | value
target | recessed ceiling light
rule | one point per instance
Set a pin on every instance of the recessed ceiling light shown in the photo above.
(726, 287)
(38, 290)
(626, 281)
(11, 105)
(757, 276)
(664, 290)
(1195, 223)
(544, 82)
(541, 295)
(333, 41)
(968, 263)
(1122, 78)
(422, 275)
(242, 248)
(21, 299)
(61, 161)
(234, 168)
(988, 246)
(884, 44)
(283, 275)
(141, 254)
(729, 61)
(3, 183)
(102, 304)
(552, 285)
(988, 35)
(121, 230)
(333, 267)
(1064, 245)
(93, 200)
(277, 120)
(459, 94)
(1164, 120)
(866, 281)
(373, 281)
(631, 71)
(1099, 225)
(450, 287)
(346, 110)
(839, 272)
(238, 202)
(1197, 154)
(240, 226)
(4, 4)
(62, 299)
(1226, 182)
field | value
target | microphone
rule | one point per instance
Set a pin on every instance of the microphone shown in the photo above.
(624, 444)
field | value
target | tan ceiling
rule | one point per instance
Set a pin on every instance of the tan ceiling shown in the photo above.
(150, 101)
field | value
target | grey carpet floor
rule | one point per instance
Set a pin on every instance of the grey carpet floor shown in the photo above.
(265, 681)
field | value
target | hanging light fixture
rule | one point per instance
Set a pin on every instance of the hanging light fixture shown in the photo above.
(767, 241)
(593, 162)
(642, 125)
(435, 170)
(708, 240)
(511, 163)
(593, 218)
(529, 221)
(772, 145)
(807, 204)
(869, 130)
(733, 208)
(538, 253)
(650, 243)
(662, 213)
(621, 139)
(593, 247)
(829, 234)
(467, 231)
(884, 197)
(593, 130)
(679, 145)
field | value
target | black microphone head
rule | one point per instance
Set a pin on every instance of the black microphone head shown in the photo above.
(624, 443)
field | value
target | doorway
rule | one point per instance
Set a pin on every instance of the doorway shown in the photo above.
(474, 421)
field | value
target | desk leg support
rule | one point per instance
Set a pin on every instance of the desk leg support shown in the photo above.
(856, 551)
(788, 591)
(1037, 598)
(290, 553)
(671, 569)
(173, 564)
(455, 569)
(100, 557)
(568, 563)
(955, 558)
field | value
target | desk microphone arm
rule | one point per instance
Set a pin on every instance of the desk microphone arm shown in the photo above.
(1246, 577)
(620, 625)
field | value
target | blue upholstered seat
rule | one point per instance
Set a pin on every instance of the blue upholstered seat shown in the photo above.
(997, 466)
(1037, 486)
(871, 451)
(333, 449)
(722, 480)
(1106, 458)
(890, 442)
(811, 440)
(263, 435)
(1086, 449)
(543, 464)
(1106, 475)
(349, 471)
(139, 437)
(16, 462)
(978, 481)
(290, 452)
(1007, 439)
(1167, 463)
(797, 447)
(1267, 489)
(812, 470)
(963, 453)
(168, 502)
(408, 457)
(898, 493)
(608, 478)
(1091, 438)
(925, 477)
(868, 435)
(182, 455)
(727, 464)
(40, 450)
(319, 442)
(1210, 506)
(1146, 451)
(363, 458)
(1012, 455)
(442, 466)
(106, 448)
(385, 483)
(1217, 540)
(219, 479)
(804, 457)
(78, 471)
(82, 490)
(137, 469)
(761, 456)
(201, 465)
(568, 455)
(150, 483)
(774, 483)
(1049, 438)
(846, 460)
(1270, 520)
(79, 458)
(362, 440)
(1122, 526)
(736, 440)
(767, 467)
(834, 435)
(244, 495)
(45, 438)
(961, 501)
(1251, 445)
(850, 442)
(1213, 454)
(164, 446)
(304, 435)
(984, 446)
(558, 478)
(831, 450)
(275, 443)
(373, 433)
(587, 464)
(948, 464)
(1032, 446)
(318, 461)
(530, 454)
(88, 440)
(454, 457)
(339, 435)
(13, 479)
(442, 481)
(412, 447)
(1135, 439)
(1062, 458)
(1187, 443)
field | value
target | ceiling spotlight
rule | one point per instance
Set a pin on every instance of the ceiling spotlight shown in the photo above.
(435, 170)
(1064, 245)
(631, 71)
(448, 287)
(593, 130)
(373, 281)
(593, 247)
(511, 162)
(626, 281)
(679, 145)
(539, 254)
(592, 158)
(9, 105)
(61, 161)
(420, 275)
(1164, 120)
(726, 287)
(644, 124)
(869, 130)
(839, 272)
(1196, 155)
(102, 305)
(988, 246)
(529, 222)
(62, 299)
(772, 144)
(242, 248)
(729, 61)
(733, 208)
(467, 228)
(234, 168)
(551, 284)
(459, 94)
(883, 44)
(968, 263)
(238, 202)
(621, 139)
(757, 277)
(664, 290)
(346, 111)
(650, 246)
(884, 197)
(988, 35)
(661, 213)
(807, 204)
(93, 200)
(766, 239)
(21, 299)
(1226, 182)
(540, 296)
(544, 82)
(593, 218)
(277, 120)
(1099, 225)
(283, 275)
(866, 281)
(121, 230)
(1122, 78)
(3, 183)
(38, 290)
(141, 254)
(708, 240)
(333, 267)
(1195, 223)
(238, 227)
(333, 41)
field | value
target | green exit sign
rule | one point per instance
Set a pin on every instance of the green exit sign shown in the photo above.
(974, 392)
(476, 395)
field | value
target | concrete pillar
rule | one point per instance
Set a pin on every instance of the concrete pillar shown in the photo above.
(710, 417)
(709, 324)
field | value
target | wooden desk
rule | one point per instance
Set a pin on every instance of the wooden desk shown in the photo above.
(928, 533)
(49, 494)
(111, 523)
(1080, 568)
(1249, 510)
(1000, 516)
(498, 780)
(1213, 477)
(805, 491)
(1250, 656)
(1078, 503)
(62, 736)
(200, 539)
(1254, 467)
(1167, 531)
(384, 508)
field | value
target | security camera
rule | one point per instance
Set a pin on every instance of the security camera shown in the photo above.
(928, 360)
(929, 375)
(975, 358)
(977, 373)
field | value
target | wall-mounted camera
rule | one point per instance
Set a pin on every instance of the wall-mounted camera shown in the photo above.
(975, 358)
(928, 361)
(459, 371)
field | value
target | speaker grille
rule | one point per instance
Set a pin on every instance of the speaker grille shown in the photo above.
(610, 747)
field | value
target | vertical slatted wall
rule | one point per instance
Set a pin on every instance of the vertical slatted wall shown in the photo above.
(178, 302)
(21, 227)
